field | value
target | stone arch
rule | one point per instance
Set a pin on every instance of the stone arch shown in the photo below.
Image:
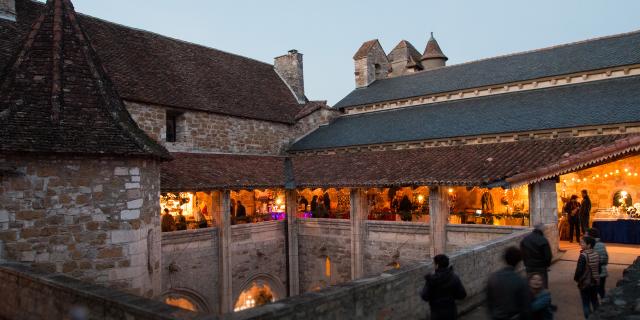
(183, 297)
(274, 284)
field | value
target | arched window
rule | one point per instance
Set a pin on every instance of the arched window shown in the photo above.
(185, 299)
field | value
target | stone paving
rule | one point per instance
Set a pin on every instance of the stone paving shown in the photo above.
(563, 289)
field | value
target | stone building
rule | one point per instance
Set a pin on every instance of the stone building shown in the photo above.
(104, 126)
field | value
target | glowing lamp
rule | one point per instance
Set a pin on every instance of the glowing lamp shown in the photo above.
(450, 190)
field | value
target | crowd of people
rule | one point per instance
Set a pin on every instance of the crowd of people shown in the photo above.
(511, 296)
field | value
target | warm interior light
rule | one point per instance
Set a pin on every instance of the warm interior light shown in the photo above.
(278, 201)
(624, 194)
(420, 198)
(450, 190)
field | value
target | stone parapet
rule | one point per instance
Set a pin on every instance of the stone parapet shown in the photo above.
(29, 294)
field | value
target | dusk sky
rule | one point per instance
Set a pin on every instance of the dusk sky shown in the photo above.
(329, 32)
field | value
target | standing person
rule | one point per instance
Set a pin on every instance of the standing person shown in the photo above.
(601, 250)
(585, 211)
(571, 209)
(588, 276)
(241, 211)
(181, 223)
(508, 295)
(541, 307)
(442, 289)
(536, 253)
(167, 223)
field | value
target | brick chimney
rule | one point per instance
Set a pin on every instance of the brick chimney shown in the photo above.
(371, 63)
(8, 10)
(290, 69)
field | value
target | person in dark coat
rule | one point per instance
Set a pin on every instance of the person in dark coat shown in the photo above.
(327, 201)
(181, 221)
(167, 222)
(585, 211)
(508, 295)
(314, 206)
(442, 289)
(571, 209)
(241, 212)
(536, 253)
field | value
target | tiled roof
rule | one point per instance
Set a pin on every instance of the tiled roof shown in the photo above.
(617, 50)
(193, 172)
(311, 106)
(55, 96)
(595, 103)
(364, 49)
(433, 51)
(150, 68)
(467, 165)
(404, 51)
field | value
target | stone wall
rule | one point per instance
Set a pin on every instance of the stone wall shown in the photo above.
(95, 219)
(391, 295)
(319, 239)
(389, 244)
(460, 236)
(28, 294)
(623, 301)
(190, 267)
(209, 132)
(258, 253)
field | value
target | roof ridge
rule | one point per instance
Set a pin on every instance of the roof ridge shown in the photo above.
(522, 53)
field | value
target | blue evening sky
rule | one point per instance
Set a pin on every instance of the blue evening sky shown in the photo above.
(328, 32)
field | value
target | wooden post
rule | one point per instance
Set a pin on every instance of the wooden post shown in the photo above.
(292, 234)
(439, 217)
(359, 212)
(222, 203)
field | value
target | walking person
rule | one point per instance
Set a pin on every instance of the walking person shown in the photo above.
(601, 250)
(571, 209)
(536, 254)
(541, 307)
(442, 289)
(587, 276)
(508, 295)
(585, 211)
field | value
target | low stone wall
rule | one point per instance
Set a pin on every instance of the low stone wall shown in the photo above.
(258, 254)
(190, 267)
(393, 294)
(391, 242)
(622, 302)
(319, 239)
(460, 236)
(28, 294)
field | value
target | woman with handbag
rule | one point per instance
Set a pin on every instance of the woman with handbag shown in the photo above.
(588, 276)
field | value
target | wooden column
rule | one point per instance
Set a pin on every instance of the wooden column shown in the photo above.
(222, 203)
(292, 234)
(359, 212)
(439, 217)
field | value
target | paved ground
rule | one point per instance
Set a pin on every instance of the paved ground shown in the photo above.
(564, 292)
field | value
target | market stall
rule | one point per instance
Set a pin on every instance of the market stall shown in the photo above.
(328, 203)
(496, 206)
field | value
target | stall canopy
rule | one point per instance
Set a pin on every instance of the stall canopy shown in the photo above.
(201, 172)
(505, 164)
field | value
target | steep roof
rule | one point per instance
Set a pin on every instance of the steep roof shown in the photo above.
(596, 103)
(496, 164)
(617, 50)
(150, 68)
(56, 97)
(364, 49)
(433, 51)
(404, 50)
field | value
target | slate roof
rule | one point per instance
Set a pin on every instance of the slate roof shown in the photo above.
(195, 172)
(150, 68)
(617, 50)
(466, 165)
(596, 103)
(404, 50)
(364, 49)
(56, 97)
